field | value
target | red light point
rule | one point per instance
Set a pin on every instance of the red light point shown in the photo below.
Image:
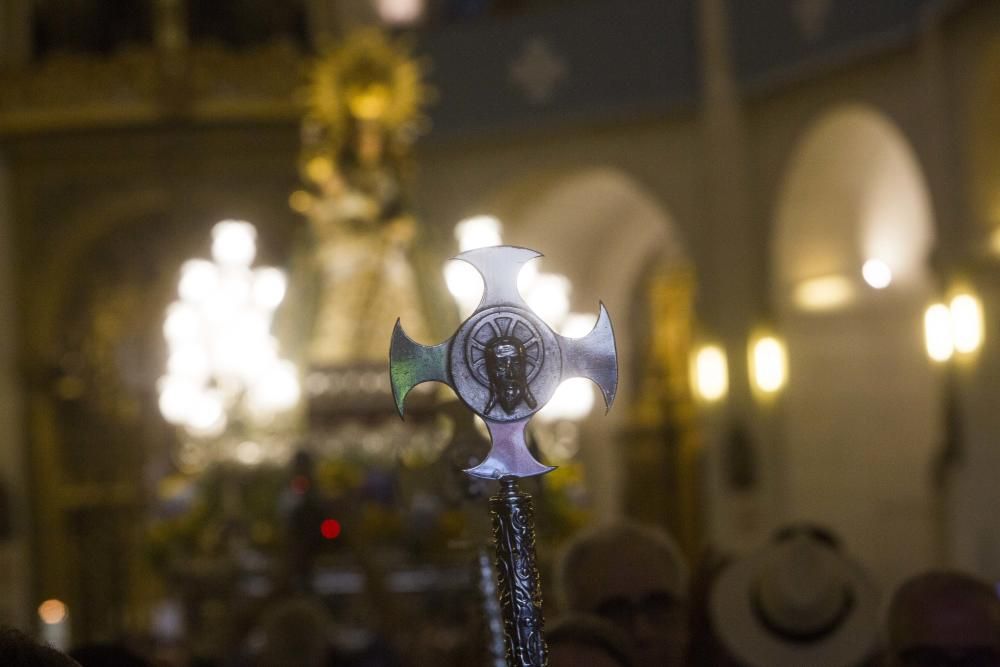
(330, 528)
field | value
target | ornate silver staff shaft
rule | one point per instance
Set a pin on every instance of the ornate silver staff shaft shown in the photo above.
(519, 584)
(505, 363)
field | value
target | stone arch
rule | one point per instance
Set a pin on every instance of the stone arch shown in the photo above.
(862, 410)
(93, 225)
(118, 252)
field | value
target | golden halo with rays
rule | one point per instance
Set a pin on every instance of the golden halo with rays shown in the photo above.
(367, 77)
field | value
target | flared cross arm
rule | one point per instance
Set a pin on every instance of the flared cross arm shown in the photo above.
(411, 363)
(595, 357)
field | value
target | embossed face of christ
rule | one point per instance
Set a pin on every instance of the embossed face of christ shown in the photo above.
(506, 368)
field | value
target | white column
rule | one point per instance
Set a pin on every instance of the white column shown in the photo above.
(731, 275)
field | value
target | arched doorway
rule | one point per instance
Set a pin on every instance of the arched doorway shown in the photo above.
(618, 244)
(862, 409)
(93, 349)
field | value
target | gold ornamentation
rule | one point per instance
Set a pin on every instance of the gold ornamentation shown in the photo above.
(367, 79)
(238, 84)
(364, 104)
(79, 90)
(135, 86)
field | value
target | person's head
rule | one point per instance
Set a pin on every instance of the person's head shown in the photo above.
(636, 578)
(19, 650)
(583, 639)
(798, 601)
(944, 619)
(705, 649)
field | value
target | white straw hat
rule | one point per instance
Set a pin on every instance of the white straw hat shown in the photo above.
(799, 602)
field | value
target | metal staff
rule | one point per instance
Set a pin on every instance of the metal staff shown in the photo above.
(505, 363)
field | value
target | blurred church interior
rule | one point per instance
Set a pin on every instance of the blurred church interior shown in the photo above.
(212, 213)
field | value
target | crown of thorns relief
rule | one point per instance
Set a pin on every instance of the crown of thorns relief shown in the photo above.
(505, 353)
(508, 325)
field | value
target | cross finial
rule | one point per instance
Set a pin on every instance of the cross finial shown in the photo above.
(504, 362)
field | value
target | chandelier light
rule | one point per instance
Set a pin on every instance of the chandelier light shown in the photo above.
(223, 363)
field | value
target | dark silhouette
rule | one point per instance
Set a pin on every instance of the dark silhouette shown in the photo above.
(19, 650)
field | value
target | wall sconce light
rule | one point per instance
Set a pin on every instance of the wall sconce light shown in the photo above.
(710, 373)
(966, 322)
(768, 363)
(954, 328)
(937, 333)
(824, 293)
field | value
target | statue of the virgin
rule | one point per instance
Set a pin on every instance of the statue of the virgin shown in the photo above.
(364, 106)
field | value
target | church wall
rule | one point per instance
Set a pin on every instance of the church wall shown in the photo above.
(930, 93)
(453, 177)
(777, 121)
(840, 467)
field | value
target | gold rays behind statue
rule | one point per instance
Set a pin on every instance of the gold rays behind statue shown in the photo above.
(368, 78)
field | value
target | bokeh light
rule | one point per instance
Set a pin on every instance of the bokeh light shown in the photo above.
(223, 361)
(549, 298)
(711, 373)
(573, 400)
(330, 529)
(234, 243)
(769, 364)
(399, 12)
(876, 273)
(966, 323)
(479, 231)
(937, 332)
(823, 293)
(52, 611)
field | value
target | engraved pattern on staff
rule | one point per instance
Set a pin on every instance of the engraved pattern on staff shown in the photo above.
(518, 579)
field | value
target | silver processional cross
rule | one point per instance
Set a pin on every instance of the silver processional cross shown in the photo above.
(505, 364)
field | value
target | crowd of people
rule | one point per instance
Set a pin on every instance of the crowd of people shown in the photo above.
(628, 599)
(800, 601)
